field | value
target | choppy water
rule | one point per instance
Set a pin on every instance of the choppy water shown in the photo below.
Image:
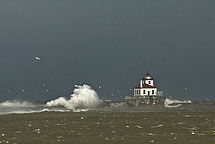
(189, 124)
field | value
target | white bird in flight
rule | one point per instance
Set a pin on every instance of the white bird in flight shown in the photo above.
(38, 58)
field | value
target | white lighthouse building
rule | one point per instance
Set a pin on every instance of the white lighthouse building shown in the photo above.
(145, 93)
(146, 87)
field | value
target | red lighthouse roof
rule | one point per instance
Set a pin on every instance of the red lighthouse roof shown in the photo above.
(148, 77)
(146, 86)
(147, 74)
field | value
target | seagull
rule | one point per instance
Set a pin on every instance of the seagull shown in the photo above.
(38, 58)
(185, 88)
(99, 87)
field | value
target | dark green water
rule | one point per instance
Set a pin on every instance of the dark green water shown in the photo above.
(185, 125)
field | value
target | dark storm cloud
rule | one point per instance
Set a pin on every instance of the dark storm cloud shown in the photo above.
(108, 43)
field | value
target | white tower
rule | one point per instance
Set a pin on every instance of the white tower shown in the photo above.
(148, 80)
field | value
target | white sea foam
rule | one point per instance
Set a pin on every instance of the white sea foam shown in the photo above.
(32, 111)
(83, 97)
(16, 104)
(175, 103)
(24, 107)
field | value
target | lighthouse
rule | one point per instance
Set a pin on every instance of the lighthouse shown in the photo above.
(146, 87)
(145, 93)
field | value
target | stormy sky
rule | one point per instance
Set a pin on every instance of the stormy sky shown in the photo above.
(107, 43)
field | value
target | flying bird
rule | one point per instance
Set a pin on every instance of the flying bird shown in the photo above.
(38, 58)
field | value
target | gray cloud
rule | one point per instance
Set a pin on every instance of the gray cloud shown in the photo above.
(108, 43)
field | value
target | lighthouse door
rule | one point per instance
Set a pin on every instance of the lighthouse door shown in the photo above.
(148, 92)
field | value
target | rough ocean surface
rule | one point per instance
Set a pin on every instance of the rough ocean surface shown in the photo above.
(79, 120)
(188, 124)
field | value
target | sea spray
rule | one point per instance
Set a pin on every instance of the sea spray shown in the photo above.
(83, 97)
(21, 107)
(175, 103)
(16, 103)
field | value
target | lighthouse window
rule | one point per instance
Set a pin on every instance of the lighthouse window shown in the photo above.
(153, 91)
(144, 91)
(149, 82)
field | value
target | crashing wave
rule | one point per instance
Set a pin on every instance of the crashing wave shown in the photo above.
(83, 97)
(175, 103)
